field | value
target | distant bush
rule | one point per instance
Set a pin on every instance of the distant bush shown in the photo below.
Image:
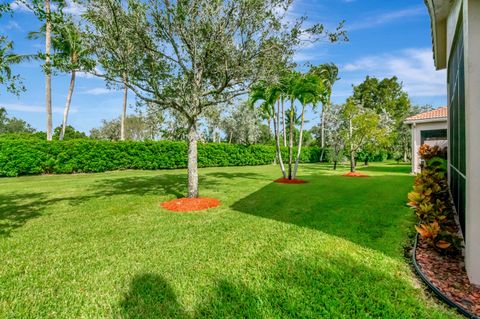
(32, 156)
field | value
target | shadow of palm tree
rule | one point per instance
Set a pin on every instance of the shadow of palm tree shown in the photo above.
(295, 287)
(150, 296)
(370, 212)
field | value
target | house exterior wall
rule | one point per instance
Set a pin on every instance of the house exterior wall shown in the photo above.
(417, 129)
(471, 13)
(469, 10)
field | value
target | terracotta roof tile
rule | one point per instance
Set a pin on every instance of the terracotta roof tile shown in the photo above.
(435, 114)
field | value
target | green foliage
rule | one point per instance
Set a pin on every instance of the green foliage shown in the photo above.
(70, 133)
(30, 156)
(12, 124)
(430, 200)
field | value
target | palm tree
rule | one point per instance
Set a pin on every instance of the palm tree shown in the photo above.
(329, 75)
(48, 70)
(307, 89)
(71, 55)
(269, 96)
(7, 58)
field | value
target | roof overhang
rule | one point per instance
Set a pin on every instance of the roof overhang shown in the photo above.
(434, 120)
(439, 10)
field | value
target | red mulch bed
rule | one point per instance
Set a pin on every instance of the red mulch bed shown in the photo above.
(448, 274)
(289, 181)
(191, 204)
(355, 174)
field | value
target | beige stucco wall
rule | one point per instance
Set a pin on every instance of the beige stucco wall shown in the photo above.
(417, 129)
(471, 13)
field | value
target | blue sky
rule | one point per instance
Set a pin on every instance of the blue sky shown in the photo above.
(386, 38)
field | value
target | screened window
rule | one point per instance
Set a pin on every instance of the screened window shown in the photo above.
(456, 96)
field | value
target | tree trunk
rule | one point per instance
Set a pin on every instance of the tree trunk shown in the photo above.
(290, 145)
(276, 126)
(334, 165)
(322, 133)
(48, 70)
(192, 161)
(284, 127)
(366, 161)
(300, 142)
(352, 153)
(352, 162)
(124, 111)
(67, 106)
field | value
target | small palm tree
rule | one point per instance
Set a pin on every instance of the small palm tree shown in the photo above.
(308, 89)
(269, 95)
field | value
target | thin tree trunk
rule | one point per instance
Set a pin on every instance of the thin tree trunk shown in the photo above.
(48, 71)
(366, 161)
(124, 110)
(300, 142)
(192, 162)
(352, 153)
(352, 162)
(290, 146)
(334, 165)
(322, 133)
(276, 125)
(284, 126)
(67, 106)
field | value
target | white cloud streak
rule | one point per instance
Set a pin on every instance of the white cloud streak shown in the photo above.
(414, 67)
(386, 17)
(20, 107)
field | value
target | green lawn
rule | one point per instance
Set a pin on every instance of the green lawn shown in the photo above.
(100, 246)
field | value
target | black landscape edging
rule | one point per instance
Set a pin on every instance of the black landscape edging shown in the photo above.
(437, 292)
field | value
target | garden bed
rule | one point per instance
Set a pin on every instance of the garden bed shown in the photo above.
(355, 174)
(289, 181)
(191, 204)
(447, 274)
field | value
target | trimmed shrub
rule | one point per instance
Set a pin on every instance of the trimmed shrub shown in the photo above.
(30, 156)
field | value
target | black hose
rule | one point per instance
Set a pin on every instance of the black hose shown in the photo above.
(437, 292)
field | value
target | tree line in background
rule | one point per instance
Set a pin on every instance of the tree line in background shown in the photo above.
(192, 63)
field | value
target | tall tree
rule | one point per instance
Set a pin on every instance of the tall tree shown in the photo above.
(71, 55)
(43, 10)
(307, 89)
(188, 55)
(329, 75)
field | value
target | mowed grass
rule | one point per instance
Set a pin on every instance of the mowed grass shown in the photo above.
(100, 246)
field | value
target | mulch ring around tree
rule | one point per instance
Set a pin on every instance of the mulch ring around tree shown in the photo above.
(448, 274)
(289, 181)
(355, 174)
(190, 204)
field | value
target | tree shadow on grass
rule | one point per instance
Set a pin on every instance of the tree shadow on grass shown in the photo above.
(370, 212)
(296, 287)
(225, 175)
(16, 208)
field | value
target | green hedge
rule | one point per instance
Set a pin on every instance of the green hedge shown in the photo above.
(29, 157)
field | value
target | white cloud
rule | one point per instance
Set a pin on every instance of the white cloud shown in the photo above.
(28, 108)
(386, 17)
(414, 67)
(19, 6)
(97, 91)
(12, 25)
(71, 7)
